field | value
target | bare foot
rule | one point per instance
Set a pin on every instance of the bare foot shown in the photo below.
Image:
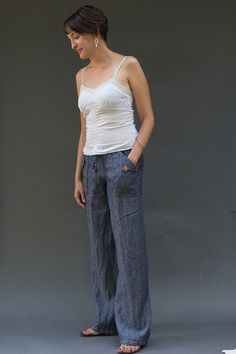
(125, 348)
(90, 331)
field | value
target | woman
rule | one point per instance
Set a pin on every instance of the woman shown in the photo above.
(108, 179)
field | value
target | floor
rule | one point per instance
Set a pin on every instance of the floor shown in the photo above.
(168, 338)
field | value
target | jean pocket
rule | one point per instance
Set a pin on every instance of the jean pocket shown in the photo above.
(125, 181)
(131, 164)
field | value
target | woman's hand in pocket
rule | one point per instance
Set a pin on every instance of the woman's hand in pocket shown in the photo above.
(79, 194)
(132, 160)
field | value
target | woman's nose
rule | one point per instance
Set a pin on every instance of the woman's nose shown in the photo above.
(72, 44)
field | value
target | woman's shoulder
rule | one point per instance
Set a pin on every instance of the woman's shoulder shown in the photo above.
(128, 58)
(79, 73)
(131, 59)
(78, 79)
(131, 63)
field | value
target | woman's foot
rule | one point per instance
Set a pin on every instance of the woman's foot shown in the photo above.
(89, 332)
(128, 348)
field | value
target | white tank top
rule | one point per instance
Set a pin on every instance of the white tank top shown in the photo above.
(109, 116)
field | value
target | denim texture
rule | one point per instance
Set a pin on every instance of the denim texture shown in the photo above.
(118, 254)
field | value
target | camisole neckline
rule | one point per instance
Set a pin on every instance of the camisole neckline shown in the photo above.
(112, 79)
(105, 83)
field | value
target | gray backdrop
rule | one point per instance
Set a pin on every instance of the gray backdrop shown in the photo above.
(187, 51)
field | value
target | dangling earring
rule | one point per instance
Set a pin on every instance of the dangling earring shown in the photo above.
(96, 42)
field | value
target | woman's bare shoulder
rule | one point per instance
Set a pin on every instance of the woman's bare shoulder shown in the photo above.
(132, 61)
(132, 66)
(78, 77)
(79, 73)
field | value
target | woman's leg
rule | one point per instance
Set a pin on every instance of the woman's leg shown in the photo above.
(132, 301)
(102, 246)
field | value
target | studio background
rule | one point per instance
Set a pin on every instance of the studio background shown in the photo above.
(187, 51)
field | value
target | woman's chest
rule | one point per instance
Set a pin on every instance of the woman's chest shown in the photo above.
(104, 98)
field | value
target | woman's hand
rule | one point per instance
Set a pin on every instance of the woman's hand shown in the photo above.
(132, 160)
(79, 194)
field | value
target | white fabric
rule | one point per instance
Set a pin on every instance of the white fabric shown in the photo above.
(109, 116)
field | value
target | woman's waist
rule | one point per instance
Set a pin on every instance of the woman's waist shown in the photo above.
(112, 130)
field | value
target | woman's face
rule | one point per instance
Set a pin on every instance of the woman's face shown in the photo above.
(82, 43)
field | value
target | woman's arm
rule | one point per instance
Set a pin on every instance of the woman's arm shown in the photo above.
(79, 193)
(80, 157)
(141, 92)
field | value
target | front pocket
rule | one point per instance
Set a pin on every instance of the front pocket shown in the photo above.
(125, 182)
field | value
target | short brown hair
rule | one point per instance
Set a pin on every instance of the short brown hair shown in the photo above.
(87, 19)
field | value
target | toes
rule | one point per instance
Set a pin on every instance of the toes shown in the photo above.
(121, 348)
(135, 348)
(89, 331)
(128, 348)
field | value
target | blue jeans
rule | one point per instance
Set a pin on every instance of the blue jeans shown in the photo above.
(118, 255)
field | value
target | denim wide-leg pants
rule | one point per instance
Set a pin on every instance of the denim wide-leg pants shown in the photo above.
(118, 255)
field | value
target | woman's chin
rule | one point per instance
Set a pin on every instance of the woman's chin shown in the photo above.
(82, 55)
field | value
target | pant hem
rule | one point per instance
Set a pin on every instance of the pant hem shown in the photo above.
(133, 342)
(100, 330)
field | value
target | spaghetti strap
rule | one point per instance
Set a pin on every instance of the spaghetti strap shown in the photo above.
(82, 75)
(119, 67)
